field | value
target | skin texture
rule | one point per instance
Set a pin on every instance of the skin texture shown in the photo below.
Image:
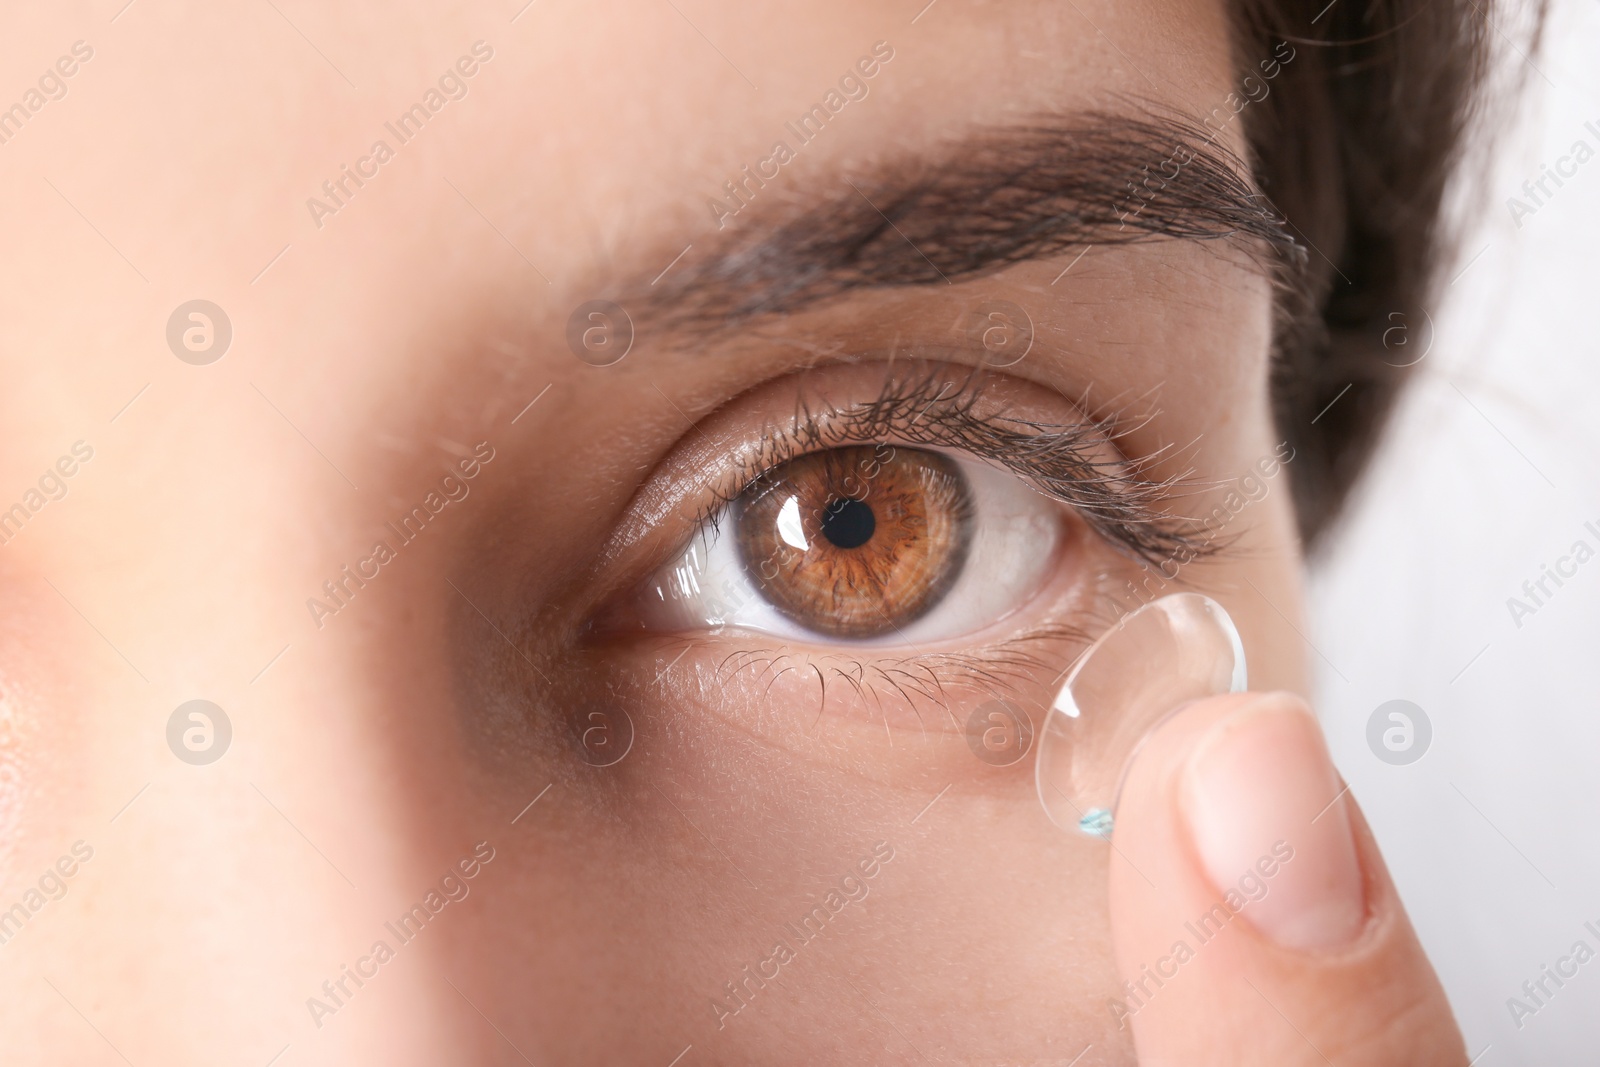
(375, 747)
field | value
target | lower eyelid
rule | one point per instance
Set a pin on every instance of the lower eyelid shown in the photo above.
(780, 691)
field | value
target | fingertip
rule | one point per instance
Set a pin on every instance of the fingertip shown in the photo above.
(1261, 803)
(1247, 890)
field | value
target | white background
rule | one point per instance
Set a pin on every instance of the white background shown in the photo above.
(1492, 470)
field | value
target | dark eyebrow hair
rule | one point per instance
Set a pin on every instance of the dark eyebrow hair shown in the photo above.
(975, 206)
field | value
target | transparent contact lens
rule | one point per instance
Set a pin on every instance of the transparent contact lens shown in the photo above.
(1171, 651)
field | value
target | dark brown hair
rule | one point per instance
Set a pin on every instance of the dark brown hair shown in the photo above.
(1355, 146)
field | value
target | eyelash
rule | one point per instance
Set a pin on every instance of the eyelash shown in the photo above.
(1064, 462)
(1001, 671)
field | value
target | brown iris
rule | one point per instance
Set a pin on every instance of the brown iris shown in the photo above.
(857, 541)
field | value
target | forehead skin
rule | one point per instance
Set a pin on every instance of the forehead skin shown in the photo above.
(372, 348)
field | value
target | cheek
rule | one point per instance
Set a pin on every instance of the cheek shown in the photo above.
(710, 842)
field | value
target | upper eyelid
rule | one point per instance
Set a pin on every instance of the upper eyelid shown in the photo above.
(1065, 462)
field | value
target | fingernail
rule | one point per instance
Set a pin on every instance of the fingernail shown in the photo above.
(1258, 795)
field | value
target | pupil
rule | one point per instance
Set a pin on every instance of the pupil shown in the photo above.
(848, 523)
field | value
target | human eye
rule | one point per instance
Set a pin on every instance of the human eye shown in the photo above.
(925, 514)
(862, 544)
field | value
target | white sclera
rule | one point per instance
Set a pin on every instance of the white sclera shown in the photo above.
(1180, 648)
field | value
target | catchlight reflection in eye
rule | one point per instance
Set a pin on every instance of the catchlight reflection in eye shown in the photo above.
(870, 543)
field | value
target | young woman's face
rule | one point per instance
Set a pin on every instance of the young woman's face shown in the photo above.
(543, 738)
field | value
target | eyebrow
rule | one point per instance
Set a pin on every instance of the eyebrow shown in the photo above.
(975, 206)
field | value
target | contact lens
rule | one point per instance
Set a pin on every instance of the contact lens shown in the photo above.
(1171, 651)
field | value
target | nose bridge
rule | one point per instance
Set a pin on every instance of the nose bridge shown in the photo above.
(239, 775)
(197, 445)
